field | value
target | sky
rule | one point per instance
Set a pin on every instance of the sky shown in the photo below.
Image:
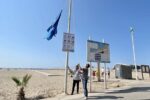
(23, 25)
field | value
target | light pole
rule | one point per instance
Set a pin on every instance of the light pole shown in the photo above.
(132, 33)
(67, 53)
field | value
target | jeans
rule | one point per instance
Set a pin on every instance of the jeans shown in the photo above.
(73, 86)
(85, 87)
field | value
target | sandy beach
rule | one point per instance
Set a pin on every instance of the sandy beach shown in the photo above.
(50, 83)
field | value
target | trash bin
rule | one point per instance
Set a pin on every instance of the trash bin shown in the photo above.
(123, 71)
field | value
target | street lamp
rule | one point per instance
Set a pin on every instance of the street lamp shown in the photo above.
(132, 33)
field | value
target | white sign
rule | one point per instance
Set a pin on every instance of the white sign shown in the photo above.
(98, 51)
(68, 42)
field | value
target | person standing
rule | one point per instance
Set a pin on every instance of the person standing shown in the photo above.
(76, 78)
(84, 72)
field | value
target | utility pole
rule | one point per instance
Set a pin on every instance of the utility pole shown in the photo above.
(132, 33)
(67, 53)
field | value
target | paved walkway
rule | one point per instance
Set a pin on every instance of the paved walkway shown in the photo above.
(136, 92)
(45, 73)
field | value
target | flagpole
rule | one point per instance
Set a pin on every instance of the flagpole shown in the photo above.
(132, 31)
(67, 53)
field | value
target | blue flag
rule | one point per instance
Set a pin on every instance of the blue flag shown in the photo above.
(52, 30)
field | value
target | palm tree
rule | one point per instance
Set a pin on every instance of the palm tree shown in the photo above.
(21, 83)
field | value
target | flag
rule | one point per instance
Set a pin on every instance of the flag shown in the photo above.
(52, 30)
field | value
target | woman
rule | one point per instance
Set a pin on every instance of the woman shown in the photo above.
(76, 78)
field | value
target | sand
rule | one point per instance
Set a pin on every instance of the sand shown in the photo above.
(49, 83)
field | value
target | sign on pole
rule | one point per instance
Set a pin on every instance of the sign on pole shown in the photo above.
(68, 46)
(68, 42)
(98, 52)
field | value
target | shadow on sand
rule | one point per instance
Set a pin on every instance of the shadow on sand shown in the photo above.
(36, 98)
(102, 97)
(144, 99)
(134, 89)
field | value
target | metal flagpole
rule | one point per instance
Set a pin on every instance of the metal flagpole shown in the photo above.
(105, 84)
(132, 31)
(67, 53)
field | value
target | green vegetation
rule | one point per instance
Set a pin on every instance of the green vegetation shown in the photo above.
(21, 84)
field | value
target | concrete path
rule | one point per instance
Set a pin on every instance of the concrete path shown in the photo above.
(136, 92)
(45, 73)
